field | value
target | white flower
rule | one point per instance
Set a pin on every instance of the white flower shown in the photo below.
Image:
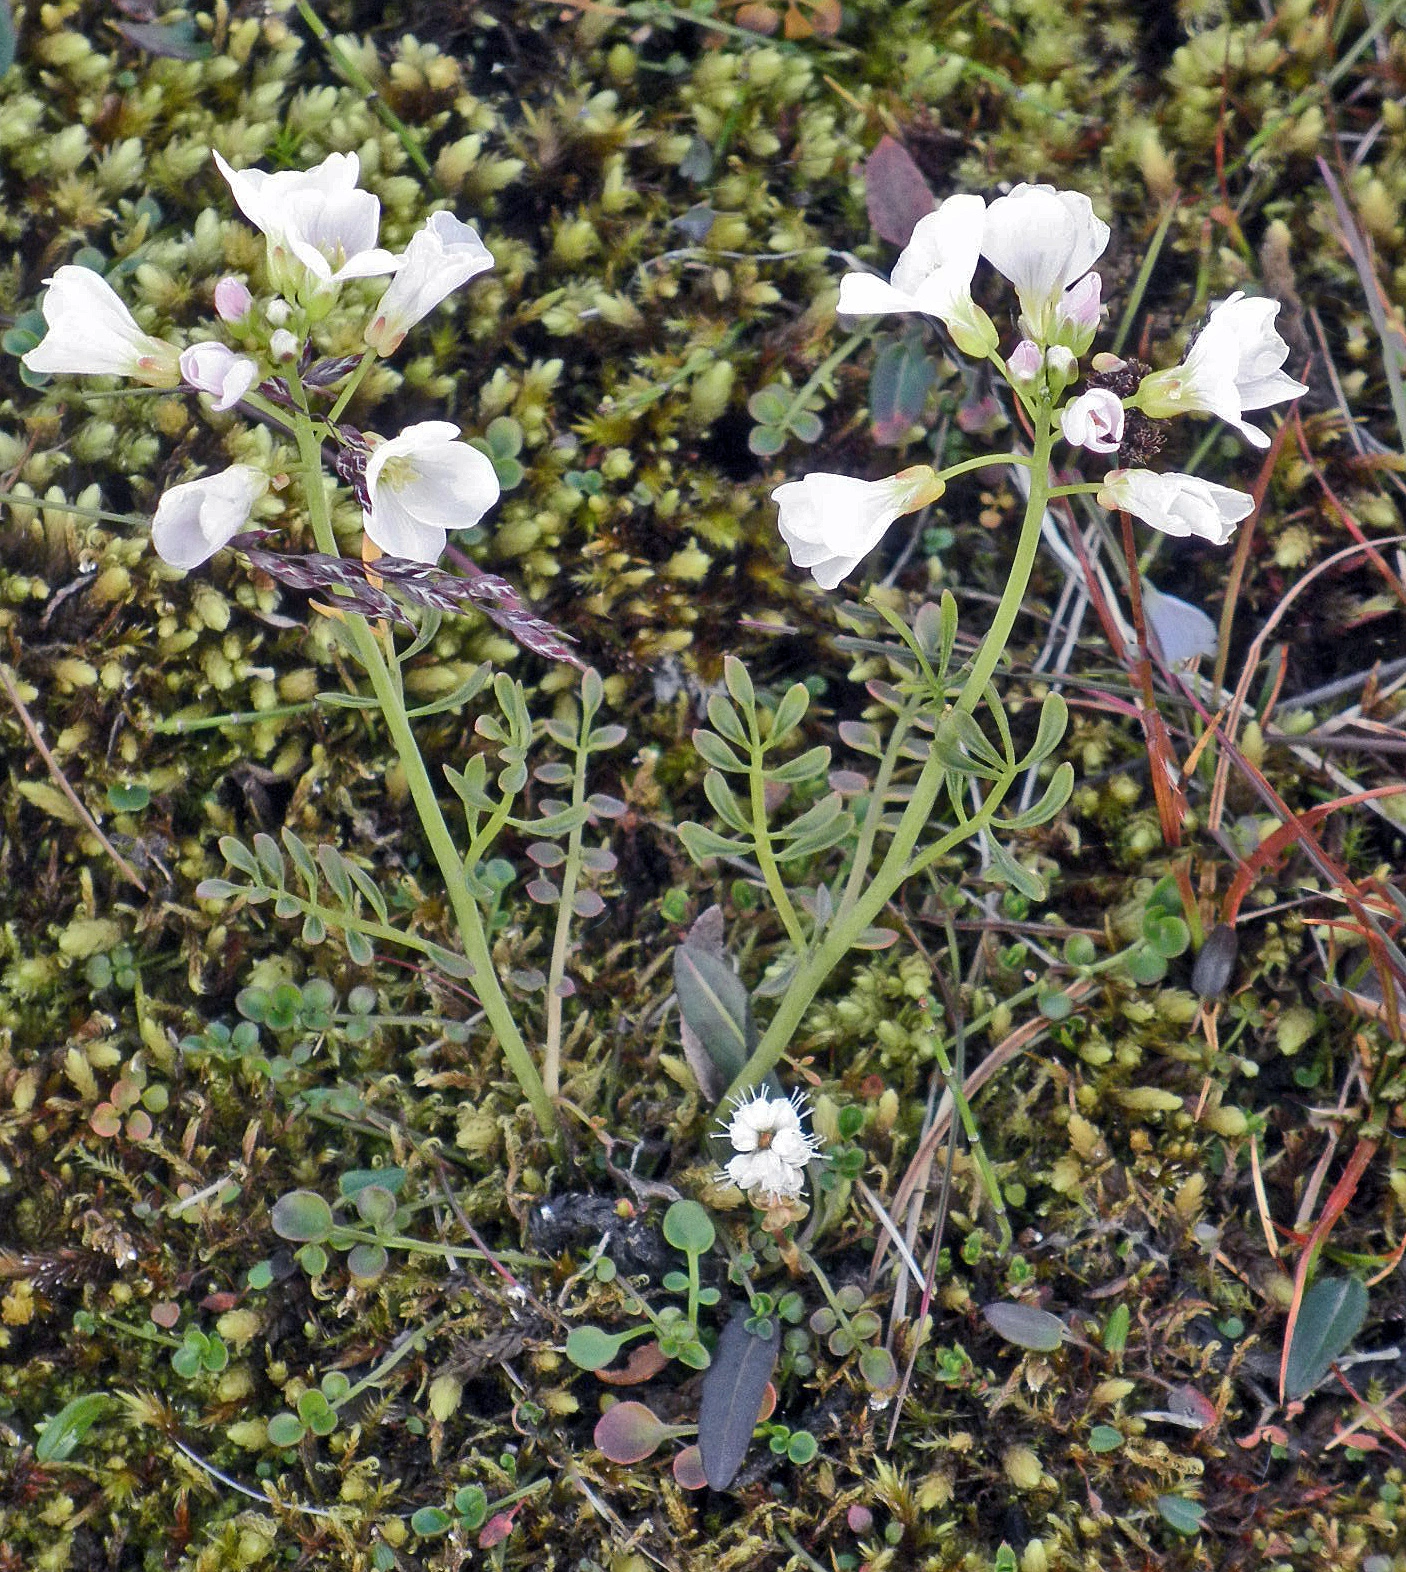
(320, 228)
(1094, 420)
(1234, 365)
(442, 255)
(933, 275)
(215, 368)
(830, 523)
(1043, 241)
(1177, 504)
(92, 334)
(284, 345)
(195, 519)
(771, 1148)
(422, 484)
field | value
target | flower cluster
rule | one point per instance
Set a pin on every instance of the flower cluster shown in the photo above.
(771, 1149)
(320, 232)
(1045, 243)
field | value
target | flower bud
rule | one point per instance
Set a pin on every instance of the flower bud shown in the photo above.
(1025, 364)
(278, 313)
(1076, 317)
(215, 368)
(1094, 421)
(232, 300)
(1061, 367)
(283, 345)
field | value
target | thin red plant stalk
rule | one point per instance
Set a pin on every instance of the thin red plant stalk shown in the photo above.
(1166, 786)
(1345, 518)
(1238, 563)
(1333, 1208)
(1252, 660)
(1346, 886)
(1295, 828)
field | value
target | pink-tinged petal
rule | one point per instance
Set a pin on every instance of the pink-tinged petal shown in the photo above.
(91, 333)
(1094, 421)
(443, 255)
(233, 301)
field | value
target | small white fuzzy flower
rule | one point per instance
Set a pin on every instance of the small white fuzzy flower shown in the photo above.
(1094, 420)
(92, 334)
(193, 520)
(771, 1148)
(830, 523)
(933, 276)
(1234, 365)
(1177, 504)
(232, 300)
(422, 484)
(1043, 241)
(215, 368)
(443, 254)
(320, 228)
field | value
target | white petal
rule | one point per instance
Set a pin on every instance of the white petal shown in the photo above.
(864, 295)
(442, 255)
(195, 519)
(1177, 504)
(91, 333)
(1042, 240)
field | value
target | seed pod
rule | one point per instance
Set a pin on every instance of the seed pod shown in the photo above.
(1212, 972)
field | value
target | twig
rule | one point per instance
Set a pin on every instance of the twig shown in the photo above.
(128, 872)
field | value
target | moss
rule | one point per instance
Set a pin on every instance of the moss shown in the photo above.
(665, 202)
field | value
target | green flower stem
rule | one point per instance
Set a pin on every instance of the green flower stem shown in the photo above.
(986, 462)
(898, 861)
(952, 1080)
(812, 1266)
(467, 917)
(834, 358)
(409, 1344)
(275, 413)
(357, 78)
(556, 968)
(761, 840)
(353, 382)
(864, 847)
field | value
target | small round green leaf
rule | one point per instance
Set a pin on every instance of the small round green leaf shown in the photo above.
(285, 1430)
(688, 1227)
(589, 1348)
(1183, 1515)
(302, 1216)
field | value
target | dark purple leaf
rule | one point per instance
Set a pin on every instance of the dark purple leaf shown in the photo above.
(899, 385)
(895, 192)
(734, 1386)
(176, 41)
